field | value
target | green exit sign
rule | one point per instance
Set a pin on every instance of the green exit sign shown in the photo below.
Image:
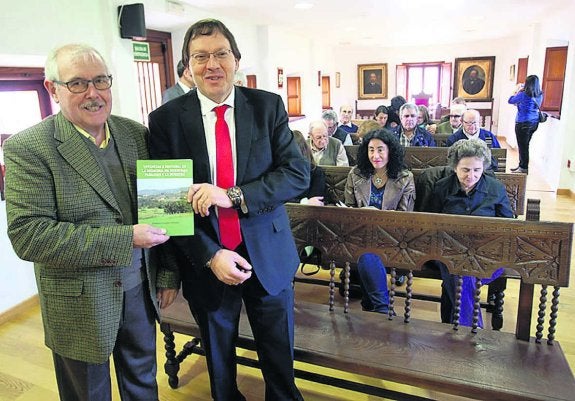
(141, 51)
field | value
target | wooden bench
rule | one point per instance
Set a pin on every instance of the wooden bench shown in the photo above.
(482, 364)
(417, 158)
(516, 186)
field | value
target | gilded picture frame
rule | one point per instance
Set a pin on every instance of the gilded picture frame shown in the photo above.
(372, 81)
(473, 79)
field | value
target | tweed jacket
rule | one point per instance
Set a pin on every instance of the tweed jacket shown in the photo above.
(64, 217)
(399, 193)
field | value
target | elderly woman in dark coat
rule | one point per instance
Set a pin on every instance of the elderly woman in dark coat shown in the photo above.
(468, 191)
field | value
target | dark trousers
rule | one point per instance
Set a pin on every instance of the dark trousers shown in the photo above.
(373, 276)
(134, 359)
(523, 132)
(271, 321)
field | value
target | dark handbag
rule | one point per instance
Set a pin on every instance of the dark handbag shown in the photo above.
(542, 116)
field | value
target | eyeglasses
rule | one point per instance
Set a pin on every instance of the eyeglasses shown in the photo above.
(203, 58)
(79, 85)
(455, 116)
(470, 122)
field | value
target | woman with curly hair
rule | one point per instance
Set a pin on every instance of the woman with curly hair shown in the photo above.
(380, 180)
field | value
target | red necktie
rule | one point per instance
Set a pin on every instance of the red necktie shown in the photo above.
(228, 220)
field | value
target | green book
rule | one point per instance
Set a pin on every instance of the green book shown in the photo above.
(162, 195)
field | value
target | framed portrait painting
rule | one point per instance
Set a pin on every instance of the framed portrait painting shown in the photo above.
(473, 78)
(372, 81)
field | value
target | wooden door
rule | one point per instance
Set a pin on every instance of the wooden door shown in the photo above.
(156, 75)
(294, 96)
(325, 93)
(554, 78)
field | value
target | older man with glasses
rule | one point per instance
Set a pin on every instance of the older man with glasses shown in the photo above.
(454, 122)
(470, 128)
(333, 130)
(71, 205)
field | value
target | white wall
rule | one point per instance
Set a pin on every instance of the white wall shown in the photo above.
(17, 281)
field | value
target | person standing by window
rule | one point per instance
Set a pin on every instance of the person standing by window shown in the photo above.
(527, 97)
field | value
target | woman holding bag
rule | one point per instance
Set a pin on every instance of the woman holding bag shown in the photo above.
(528, 98)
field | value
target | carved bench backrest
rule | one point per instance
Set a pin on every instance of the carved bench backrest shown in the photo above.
(423, 157)
(540, 252)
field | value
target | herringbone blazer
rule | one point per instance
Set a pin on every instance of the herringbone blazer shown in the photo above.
(64, 217)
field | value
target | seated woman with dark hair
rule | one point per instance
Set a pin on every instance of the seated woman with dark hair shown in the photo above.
(381, 181)
(468, 191)
(381, 115)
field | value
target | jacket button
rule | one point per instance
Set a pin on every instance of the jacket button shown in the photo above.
(117, 283)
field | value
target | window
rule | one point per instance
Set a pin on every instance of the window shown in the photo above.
(424, 83)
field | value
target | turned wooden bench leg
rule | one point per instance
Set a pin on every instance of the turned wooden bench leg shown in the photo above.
(495, 300)
(173, 361)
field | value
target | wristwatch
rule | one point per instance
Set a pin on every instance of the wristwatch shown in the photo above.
(237, 197)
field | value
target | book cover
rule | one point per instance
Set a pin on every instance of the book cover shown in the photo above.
(162, 195)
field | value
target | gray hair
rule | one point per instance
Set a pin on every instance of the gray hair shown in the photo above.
(469, 148)
(317, 124)
(408, 106)
(74, 51)
(329, 115)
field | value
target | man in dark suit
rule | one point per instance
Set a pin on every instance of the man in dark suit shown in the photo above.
(256, 260)
(71, 205)
(184, 85)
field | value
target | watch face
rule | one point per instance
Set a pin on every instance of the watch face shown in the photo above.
(235, 194)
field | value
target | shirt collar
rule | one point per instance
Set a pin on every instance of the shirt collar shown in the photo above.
(85, 133)
(208, 104)
(455, 187)
(184, 87)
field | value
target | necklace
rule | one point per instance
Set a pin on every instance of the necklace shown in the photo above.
(380, 180)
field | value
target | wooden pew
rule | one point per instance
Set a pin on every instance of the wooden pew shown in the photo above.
(423, 157)
(441, 140)
(481, 364)
(516, 186)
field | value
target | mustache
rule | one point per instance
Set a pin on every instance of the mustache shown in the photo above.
(93, 103)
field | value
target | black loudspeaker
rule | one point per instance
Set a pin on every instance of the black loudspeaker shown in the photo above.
(132, 21)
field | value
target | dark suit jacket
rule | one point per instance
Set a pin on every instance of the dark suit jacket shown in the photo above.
(270, 171)
(64, 217)
(172, 93)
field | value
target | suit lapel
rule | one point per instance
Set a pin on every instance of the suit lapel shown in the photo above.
(244, 122)
(194, 136)
(127, 153)
(74, 150)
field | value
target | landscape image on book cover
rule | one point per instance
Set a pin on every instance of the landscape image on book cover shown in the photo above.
(162, 195)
